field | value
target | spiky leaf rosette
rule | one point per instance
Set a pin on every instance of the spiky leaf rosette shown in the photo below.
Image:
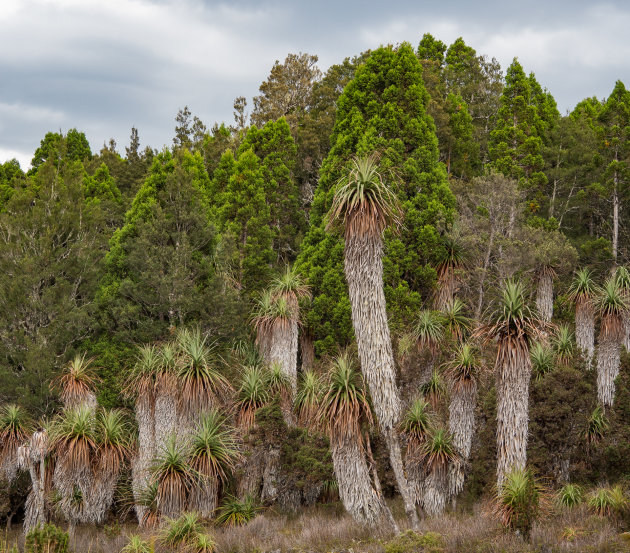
(15, 427)
(76, 383)
(542, 359)
(345, 405)
(277, 381)
(251, 396)
(622, 278)
(308, 398)
(181, 531)
(291, 286)
(363, 204)
(142, 377)
(115, 440)
(135, 544)
(417, 424)
(612, 304)
(463, 369)
(438, 451)
(74, 441)
(563, 345)
(236, 512)
(147, 498)
(570, 495)
(174, 476)
(596, 426)
(429, 330)
(434, 389)
(607, 501)
(456, 323)
(582, 288)
(520, 500)
(262, 321)
(214, 447)
(203, 543)
(201, 384)
(451, 257)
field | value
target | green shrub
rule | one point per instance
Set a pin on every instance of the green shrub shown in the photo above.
(570, 495)
(46, 539)
(607, 501)
(235, 512)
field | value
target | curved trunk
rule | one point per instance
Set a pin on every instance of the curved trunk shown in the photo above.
(355, 487)
(363, 266)
(204, 497)
(544, 296)
(513, 375)
(140, 467)
(284, 350)
(608, 360)
(461, 425)
(585, 328)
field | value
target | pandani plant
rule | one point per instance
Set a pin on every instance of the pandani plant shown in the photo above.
(451, 260)
(462, 372)
(438, 453)
(428, 332)
(612, 305)
(214, 453)
(622, 276)
(363, 207)
(15, 428)
(76, 383)
(582, 293)
(542, 359)
(563, 345)
(513, 327)
(308, 398)
(455, 321)
(343, 411)
(417, 426)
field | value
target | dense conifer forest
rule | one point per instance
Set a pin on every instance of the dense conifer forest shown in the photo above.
(391, 298)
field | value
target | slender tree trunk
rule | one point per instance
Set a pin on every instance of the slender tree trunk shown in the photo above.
(626, 331)
(364, 272)
(355, 488)
(461, 424)
(608, 361)
(204, 497)
(615, 236)
(284, 350)
(484, 272)
(585, 328)
(513, 377)
(435, 491)
(544, 296)
(146, 451)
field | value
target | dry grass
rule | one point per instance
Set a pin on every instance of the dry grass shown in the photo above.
(326, 528)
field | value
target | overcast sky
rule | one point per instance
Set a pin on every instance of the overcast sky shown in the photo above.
(107, 65)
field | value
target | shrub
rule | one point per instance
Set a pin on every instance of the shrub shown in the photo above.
(519, 501)
(235, 512)
(607, 501)
(136, 544)
(181, 531)
(46, 539)
(570, 495)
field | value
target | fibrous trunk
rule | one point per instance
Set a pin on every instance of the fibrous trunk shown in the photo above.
(140, 467)
(204, 496)
(461, 424)
(101, 497)
(355, 487)
(307, 349)
(585, 328)
(513, 375)
(33, 458)
(435, 489)
(250, 471)
(284, 350)
(363, 265)
(165, 412)
(544, 296)
(626, 331)
(608, 360)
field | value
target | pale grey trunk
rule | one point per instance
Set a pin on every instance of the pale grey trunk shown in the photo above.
(512, 413)
(140, 466)
(251, 472)
(204, 497)
(355, 487)
(626, 331)
(271, 474)
(363, 265)
(585, 329)
(33, 458)
(608, 360)
(417, 481)
(284, 350)
(435, 490)
(101, 498)
(461, 424)
(166, 415)
(544, 296)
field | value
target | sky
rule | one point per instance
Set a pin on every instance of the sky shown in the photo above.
(105, 66)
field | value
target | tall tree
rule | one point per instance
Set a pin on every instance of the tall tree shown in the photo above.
(615, 147)
(365, 206)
